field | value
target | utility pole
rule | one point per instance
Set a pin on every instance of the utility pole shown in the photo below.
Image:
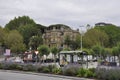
(81, 32)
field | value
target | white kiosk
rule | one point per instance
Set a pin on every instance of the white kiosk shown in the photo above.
(67, 57)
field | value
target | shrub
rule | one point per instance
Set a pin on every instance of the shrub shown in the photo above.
(5, 66)
(1, 66)
(43, 69)
(40, 69)
(29, 67)
(70, 71)
(57, 71)
(51, 67)
(46, 70)
(81, 72)
(108, 74)
(19, 67)
(88, 74)
(12, 66)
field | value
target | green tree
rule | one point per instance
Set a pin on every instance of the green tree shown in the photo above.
(98, 51)
(93, 37)
(54, 51)
(14, 41)
(27, 32)
(113, 33)
(78, 41)
(35, 41)
(18, 22)
(2, 35)
(115, 52)
(43, 50)
(67, 41)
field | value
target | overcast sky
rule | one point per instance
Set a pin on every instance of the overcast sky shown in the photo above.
(73, 13)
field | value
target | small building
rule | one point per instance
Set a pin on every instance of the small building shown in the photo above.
(102, 24)
(70, 57)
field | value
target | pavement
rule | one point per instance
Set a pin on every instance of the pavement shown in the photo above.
(47, 75)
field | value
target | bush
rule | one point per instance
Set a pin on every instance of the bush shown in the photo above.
(5, 66)
(108, 74)
(40, 69)
(70, 71)
(29, 67)
(19, 67)
(81, 72)
(51, 67)
(89, 74)
(57, 71)
(1, 66)
(46, 70)
(43, 69)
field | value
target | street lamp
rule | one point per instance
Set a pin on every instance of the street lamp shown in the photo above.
(81, 32)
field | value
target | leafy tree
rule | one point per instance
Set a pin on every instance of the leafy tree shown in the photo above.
(14, 41)
(93, 37)
(40, 28)
(18, 22)
(78, 41)
(98, 51)
(54, 51)
(116, 52)
(43, 50)
(35, 41)
(2, 35)
(113, 33)
(67, 40)
(27, 32)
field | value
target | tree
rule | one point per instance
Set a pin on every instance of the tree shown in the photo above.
(54, 51)
(93, 37)
(43, 50)
(40, 28)
(2, 35)
(35, 41)
(78, 41)
(113, 33)
(67, 41)
(97, 51)
(27, 32)
(14, 41)
(116, 52)
(18, 22)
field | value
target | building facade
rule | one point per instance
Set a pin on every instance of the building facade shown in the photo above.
(54, 36)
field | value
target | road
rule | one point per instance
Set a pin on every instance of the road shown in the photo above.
(19, 76)
(11, 75)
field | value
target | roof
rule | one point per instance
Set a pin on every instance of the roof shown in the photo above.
(70, 52)
(73, 52)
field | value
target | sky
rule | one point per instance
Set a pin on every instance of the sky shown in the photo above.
(73, 13)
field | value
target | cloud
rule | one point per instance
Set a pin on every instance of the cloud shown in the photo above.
(70, 12)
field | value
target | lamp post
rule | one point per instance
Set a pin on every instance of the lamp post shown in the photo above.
(36, 52)
(81, 32)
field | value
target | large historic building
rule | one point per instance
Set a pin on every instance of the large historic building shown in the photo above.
(55, 35)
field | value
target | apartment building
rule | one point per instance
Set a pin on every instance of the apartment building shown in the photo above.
(54, 36)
